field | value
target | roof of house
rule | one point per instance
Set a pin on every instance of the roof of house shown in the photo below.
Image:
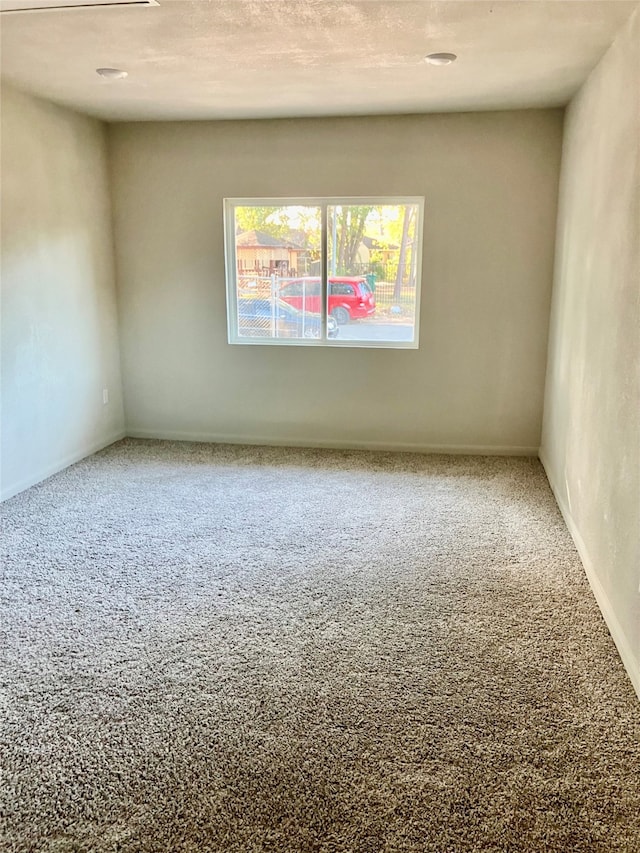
(260, 239)
(372, 243)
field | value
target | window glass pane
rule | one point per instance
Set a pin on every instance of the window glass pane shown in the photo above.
(277, 275)
(281, 289)
(372, 266)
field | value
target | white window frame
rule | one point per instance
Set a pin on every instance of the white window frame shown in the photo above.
(323, 203)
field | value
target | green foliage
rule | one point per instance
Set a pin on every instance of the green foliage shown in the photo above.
(295, 223)
(271, 220)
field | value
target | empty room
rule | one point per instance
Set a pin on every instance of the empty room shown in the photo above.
(320, 426)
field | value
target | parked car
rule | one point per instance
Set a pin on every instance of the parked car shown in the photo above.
(350, 297)
(264, 318)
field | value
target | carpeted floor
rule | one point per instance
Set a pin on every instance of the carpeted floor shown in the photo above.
(211, 648)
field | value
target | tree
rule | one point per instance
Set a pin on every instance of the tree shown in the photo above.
(294, 223)
(271, 220)
(350, 223)
(409, 214)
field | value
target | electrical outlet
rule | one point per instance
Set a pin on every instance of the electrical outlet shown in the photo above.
(105, 396)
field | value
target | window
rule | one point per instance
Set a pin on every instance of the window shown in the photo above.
(339, 288)
(324, 272)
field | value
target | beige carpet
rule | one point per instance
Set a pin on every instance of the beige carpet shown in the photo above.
(248, 649)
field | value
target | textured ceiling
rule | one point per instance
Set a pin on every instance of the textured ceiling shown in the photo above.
(271, 58)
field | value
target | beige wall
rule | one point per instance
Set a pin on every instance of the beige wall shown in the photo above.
(59, 333)
(490, 182)
(591, 438)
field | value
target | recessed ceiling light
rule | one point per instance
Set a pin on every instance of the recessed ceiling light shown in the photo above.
(440, 58)
(112, 73)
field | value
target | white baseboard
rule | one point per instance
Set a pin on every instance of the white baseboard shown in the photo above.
(60, 465)
(347, 444)
(629, 660)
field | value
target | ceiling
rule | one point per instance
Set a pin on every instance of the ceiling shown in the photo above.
(202, 59)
